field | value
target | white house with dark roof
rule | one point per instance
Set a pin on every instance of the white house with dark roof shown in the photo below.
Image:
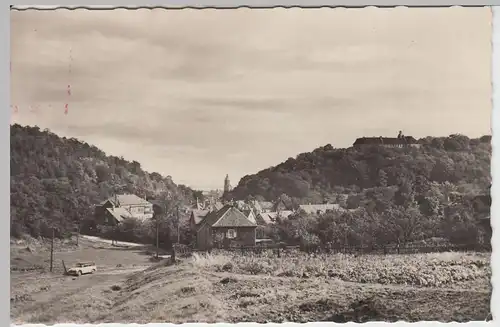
(121, 206)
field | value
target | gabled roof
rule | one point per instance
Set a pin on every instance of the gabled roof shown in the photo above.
(119, 213)
(314, 208)
(126, 200)
(249, 214)
(199, 215)
(228, 216)
(386, 140)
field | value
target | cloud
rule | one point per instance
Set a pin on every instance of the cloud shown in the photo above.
(198, 94)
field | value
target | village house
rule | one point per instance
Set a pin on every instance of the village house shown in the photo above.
(197, 216)
(261, 206)
(393, 142)
(225, 227)
(121, 206)
(268, 218)
(208, 204)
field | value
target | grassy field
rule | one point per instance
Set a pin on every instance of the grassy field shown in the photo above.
(227, 287)
(431, 269)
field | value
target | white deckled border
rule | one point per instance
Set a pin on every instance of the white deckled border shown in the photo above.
(495, 221)
(495, 161)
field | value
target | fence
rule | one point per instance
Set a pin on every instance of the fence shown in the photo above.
(280, 249)
(407, 249)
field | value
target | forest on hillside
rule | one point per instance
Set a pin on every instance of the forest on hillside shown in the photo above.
(388, 195)
(56, 181)
(325, 173)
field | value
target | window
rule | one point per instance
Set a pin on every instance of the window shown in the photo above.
(231, 233)
(139, 210)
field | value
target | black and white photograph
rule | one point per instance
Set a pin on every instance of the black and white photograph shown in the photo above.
(250, 165)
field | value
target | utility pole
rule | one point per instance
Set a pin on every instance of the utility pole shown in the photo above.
(157, 237)
(77, 234)
(52, 250)
(178, 227)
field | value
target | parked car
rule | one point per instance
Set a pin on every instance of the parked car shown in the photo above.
(83, 268)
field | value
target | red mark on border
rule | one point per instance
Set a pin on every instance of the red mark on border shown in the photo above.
(66, 109)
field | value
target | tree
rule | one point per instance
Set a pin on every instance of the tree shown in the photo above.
(57, 182)
(403, 224)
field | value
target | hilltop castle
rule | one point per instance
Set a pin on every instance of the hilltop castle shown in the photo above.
(393, 142)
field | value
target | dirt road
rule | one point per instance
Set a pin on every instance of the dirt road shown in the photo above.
(127, 289)
(97, 239)
(34, 290)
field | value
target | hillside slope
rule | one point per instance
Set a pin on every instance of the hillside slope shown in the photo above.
(56, 181)
(200, 291)
(324, 173)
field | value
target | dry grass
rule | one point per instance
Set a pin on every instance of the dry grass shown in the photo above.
(433, 269)
(228, 287)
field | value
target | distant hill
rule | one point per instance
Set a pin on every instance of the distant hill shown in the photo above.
(397, 195)
(55, 181)
(324, 173)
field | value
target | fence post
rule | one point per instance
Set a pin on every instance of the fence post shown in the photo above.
(172, 256)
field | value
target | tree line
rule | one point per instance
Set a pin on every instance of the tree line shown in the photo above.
(388, 195)
(55, 182)
(322, 175)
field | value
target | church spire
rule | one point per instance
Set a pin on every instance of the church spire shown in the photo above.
(227, 184)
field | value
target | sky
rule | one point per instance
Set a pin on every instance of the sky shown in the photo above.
(198, 94)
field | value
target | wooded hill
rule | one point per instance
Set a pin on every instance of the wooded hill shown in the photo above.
(56, 181)
(321, 175)
(395, 194)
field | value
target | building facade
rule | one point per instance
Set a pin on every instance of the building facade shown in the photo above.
(225, 227)
(115, 209)
(400, 141)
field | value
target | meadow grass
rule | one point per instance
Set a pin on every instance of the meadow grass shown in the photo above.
(429, 269)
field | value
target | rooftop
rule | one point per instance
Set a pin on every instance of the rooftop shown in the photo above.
(228, 216)
(126, 200)
(386, 140)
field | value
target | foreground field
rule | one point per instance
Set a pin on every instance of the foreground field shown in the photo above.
(235, 288)
(431, 269)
